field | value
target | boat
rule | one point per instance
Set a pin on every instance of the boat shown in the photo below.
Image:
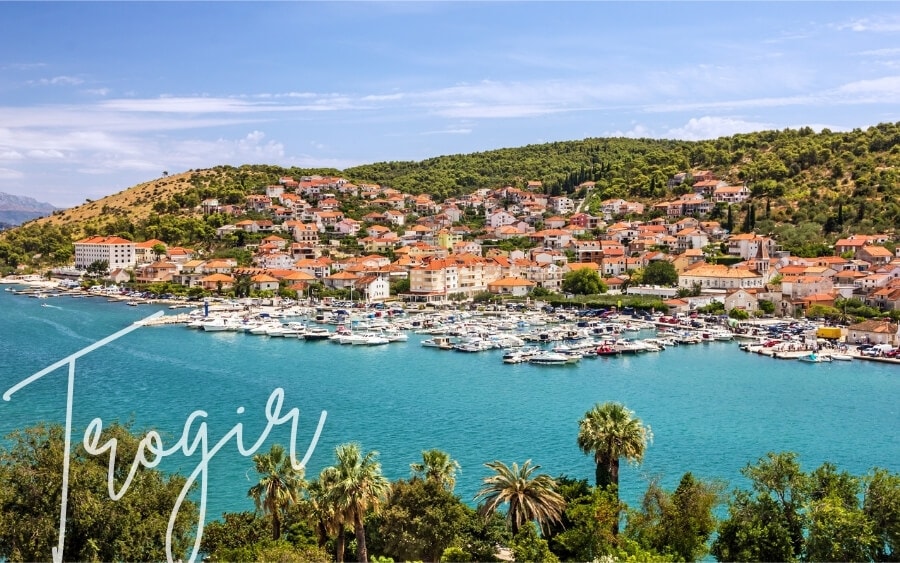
(553, 359)
(442, 342)
(520, 355)
(316, 333)
(607, 350)
(841, 357)
(216, 324)
(814, 358)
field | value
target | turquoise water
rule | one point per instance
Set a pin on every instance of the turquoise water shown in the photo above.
(712, 408)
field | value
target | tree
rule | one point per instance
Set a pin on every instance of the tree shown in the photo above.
(98, 268)
(586, 530)
(678, 523)
(779, 477)
(97, 528)
(660, 272)
(437, 466)
(583, 281)
(419, 522)
(881, 505)
(755, 530)
(610, 431)
(528, 497)
(279, 487)
(326, 514)
(358, 487)
(527, 545)
(768, 526)
(159, 250)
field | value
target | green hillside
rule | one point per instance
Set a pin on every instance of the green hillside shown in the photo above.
(808, 188)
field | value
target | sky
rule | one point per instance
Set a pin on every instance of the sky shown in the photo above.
(98, 97)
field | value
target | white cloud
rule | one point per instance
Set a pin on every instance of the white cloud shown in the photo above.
(51, 154)
(23, 66)
(59, 81)
(881, 90)
(882, 52)
(887, 24)
(9, 154)
(449, 131)
(10, 174)
(708, 127)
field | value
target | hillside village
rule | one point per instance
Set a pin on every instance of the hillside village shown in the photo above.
(411, 237)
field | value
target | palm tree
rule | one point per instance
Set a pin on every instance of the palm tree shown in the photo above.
(610, 431)
(279, 486)
(529, 497)
(327, 516)
(358, 487)
(437, 466)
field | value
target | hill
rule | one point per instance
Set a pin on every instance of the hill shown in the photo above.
(15, 210)
(803, 184)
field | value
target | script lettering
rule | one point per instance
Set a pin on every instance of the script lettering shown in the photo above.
(151, 451)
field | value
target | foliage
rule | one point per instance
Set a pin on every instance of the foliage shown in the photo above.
(97, 528)
(419, 522)
(527, 545)
(279, 486)
(528, 497)
(816, 516)
(660, 272)
(437, 466)
(882, 506)
(679, 523)
(583, 281)
(738, 314)
(610, 431)
(357, 487)
(586, 530)
(766, 306)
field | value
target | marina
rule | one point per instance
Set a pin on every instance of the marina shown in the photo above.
(713, 407)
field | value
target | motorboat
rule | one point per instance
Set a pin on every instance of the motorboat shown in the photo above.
(553, 358)
(814, 358)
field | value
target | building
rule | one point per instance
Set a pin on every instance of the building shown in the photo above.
(511, 286)
(117, 252)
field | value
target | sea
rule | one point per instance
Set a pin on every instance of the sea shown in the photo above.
(712, 408)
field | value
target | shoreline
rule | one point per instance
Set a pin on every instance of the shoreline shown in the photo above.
(790, 350)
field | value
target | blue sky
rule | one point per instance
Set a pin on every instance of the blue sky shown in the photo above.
(97, 97)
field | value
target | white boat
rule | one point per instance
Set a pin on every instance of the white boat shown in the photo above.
(367, 339)
(442, 342)
(473, 345)
(814, 358)
(553, 358)
(841, 357)
(216, 324)
(316, 333)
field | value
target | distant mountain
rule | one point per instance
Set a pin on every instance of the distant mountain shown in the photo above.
(16, 209)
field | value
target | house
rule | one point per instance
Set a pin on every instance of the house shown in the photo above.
(708, 276)
(156, 272)
(373, 288)
(117, 252)
(143, 251)
(731, 194)
(217, 282)
(118, 276)
(873, 332)
(500, 218)
(517, 287)
(264, 282)
(340, 280)
(875, 255)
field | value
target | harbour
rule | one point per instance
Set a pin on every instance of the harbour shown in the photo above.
(712, 407)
